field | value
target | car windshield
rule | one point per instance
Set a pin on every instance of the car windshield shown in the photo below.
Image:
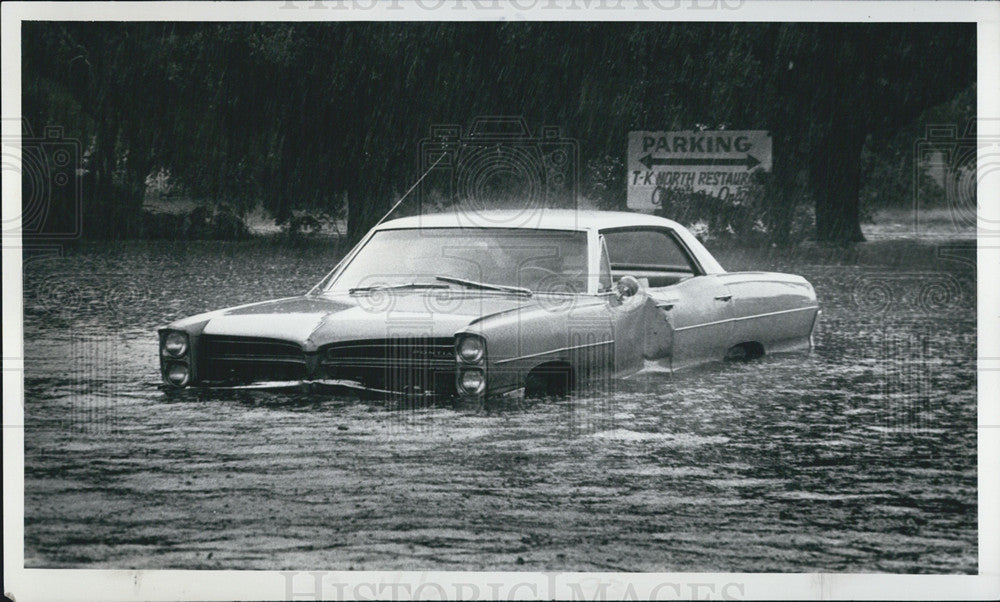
(538, 260)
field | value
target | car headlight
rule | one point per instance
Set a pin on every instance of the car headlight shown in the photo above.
(471, 349)
(178, 374)
(176, 344)
(473, 381)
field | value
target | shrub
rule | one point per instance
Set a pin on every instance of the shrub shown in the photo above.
(751, 215)
(604, 182)
(226, 225)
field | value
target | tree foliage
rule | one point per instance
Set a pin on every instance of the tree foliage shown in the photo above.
(303, 115)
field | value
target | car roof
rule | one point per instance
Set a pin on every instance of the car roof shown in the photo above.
(556, 219)
(536, 219)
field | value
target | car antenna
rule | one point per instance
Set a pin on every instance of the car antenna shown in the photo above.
(322, 283)
(407, 193)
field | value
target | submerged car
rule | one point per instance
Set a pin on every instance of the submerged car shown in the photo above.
(449, 306)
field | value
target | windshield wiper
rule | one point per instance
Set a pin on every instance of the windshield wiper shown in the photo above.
(385, 287)
(483, 285)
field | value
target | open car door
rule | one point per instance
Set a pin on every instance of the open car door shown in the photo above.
(688, 318)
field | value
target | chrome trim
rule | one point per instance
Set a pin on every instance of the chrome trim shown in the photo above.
(386, 363)
(257, 359)
(324, 382)
(530, 355)
(773, 313)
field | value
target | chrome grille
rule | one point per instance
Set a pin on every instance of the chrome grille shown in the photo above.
(419, 366)
(249, 359)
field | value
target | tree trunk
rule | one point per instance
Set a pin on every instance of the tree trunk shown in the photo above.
(835, 175)
(133, 196)
(781, 193)
(99, 199)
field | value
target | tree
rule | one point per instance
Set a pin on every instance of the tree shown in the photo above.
(301, 115)
(859, 80)
(106, 85)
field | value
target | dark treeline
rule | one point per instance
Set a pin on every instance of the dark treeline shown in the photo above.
(305, 115)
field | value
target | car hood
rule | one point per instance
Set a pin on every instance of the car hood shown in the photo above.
(316, 321)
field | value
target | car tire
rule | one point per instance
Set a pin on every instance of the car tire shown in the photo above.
(548, 381)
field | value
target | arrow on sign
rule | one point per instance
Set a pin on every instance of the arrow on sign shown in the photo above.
(749, 161)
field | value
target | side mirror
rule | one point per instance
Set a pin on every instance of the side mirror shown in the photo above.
(626, 287)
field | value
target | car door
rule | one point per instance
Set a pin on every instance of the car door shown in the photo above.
(701, 318)
(697, 307)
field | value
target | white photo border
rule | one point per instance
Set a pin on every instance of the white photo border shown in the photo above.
(45, 584)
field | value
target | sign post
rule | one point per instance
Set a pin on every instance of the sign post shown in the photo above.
(716, 162)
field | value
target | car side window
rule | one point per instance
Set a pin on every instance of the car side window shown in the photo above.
(645, 249)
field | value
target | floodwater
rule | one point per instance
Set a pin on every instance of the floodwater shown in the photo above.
(860, 457)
